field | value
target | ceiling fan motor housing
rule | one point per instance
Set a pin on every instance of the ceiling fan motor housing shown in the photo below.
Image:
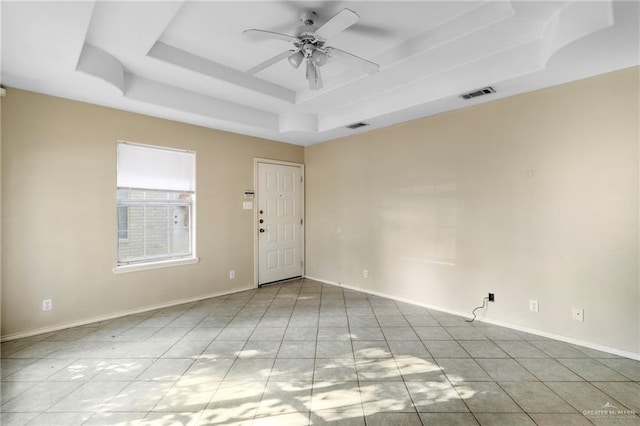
(311, 48)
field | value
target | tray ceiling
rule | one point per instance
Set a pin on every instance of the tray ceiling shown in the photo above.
(188, 61)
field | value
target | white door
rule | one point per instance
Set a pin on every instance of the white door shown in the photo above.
(279, 222)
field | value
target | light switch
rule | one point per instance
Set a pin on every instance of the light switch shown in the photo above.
(247, 205)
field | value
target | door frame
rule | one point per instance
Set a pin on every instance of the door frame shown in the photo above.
(256, 242)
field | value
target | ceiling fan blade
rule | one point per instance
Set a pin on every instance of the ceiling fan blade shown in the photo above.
(270, 34)
(269, 62)
(353, 60)
(371, 30)
(313, 76)
(340, 22)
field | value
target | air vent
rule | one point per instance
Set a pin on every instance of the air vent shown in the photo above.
(481, 92)
(357, 125)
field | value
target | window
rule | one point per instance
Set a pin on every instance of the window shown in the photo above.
(155, 204)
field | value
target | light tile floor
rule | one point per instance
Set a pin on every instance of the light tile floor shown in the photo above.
(306, 353)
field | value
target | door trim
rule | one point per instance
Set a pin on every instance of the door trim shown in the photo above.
(256, 260)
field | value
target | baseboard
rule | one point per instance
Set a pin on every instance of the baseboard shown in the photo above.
(58, 327)
(566, 339)
(389, 296)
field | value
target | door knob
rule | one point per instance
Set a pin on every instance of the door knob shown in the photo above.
(261, 230)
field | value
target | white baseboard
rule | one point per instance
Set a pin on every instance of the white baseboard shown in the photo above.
(566, 339)
(58, 327)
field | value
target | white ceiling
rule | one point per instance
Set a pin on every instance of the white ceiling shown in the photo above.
(187, 60)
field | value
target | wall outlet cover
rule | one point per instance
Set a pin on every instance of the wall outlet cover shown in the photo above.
(533, 305)
(47, 305)
(578, 314)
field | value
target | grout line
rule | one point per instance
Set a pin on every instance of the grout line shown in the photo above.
(353, 355)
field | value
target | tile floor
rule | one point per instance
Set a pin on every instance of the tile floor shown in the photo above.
(307, 353)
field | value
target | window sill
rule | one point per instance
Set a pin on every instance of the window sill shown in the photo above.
(154, 265)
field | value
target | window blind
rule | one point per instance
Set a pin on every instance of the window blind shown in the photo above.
(146, 167)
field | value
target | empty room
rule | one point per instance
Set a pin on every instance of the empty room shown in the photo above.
(320, 213)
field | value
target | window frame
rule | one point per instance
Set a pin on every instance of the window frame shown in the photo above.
(160, 261)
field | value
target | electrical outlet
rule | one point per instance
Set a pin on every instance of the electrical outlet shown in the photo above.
(492, 297)
(365, 273)
(47, 305)
(578, 314)
(232, 275)
(533, 305)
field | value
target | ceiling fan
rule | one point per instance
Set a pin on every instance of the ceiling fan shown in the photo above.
(310, 45)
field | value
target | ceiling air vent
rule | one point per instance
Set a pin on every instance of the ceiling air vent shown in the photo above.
(357, 125)
(481, 92)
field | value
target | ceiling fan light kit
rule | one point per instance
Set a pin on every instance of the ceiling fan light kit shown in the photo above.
(295, 59)
(309, 44)
(319, 58)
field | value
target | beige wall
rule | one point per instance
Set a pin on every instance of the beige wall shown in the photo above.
(530, 197)
(59, 213)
